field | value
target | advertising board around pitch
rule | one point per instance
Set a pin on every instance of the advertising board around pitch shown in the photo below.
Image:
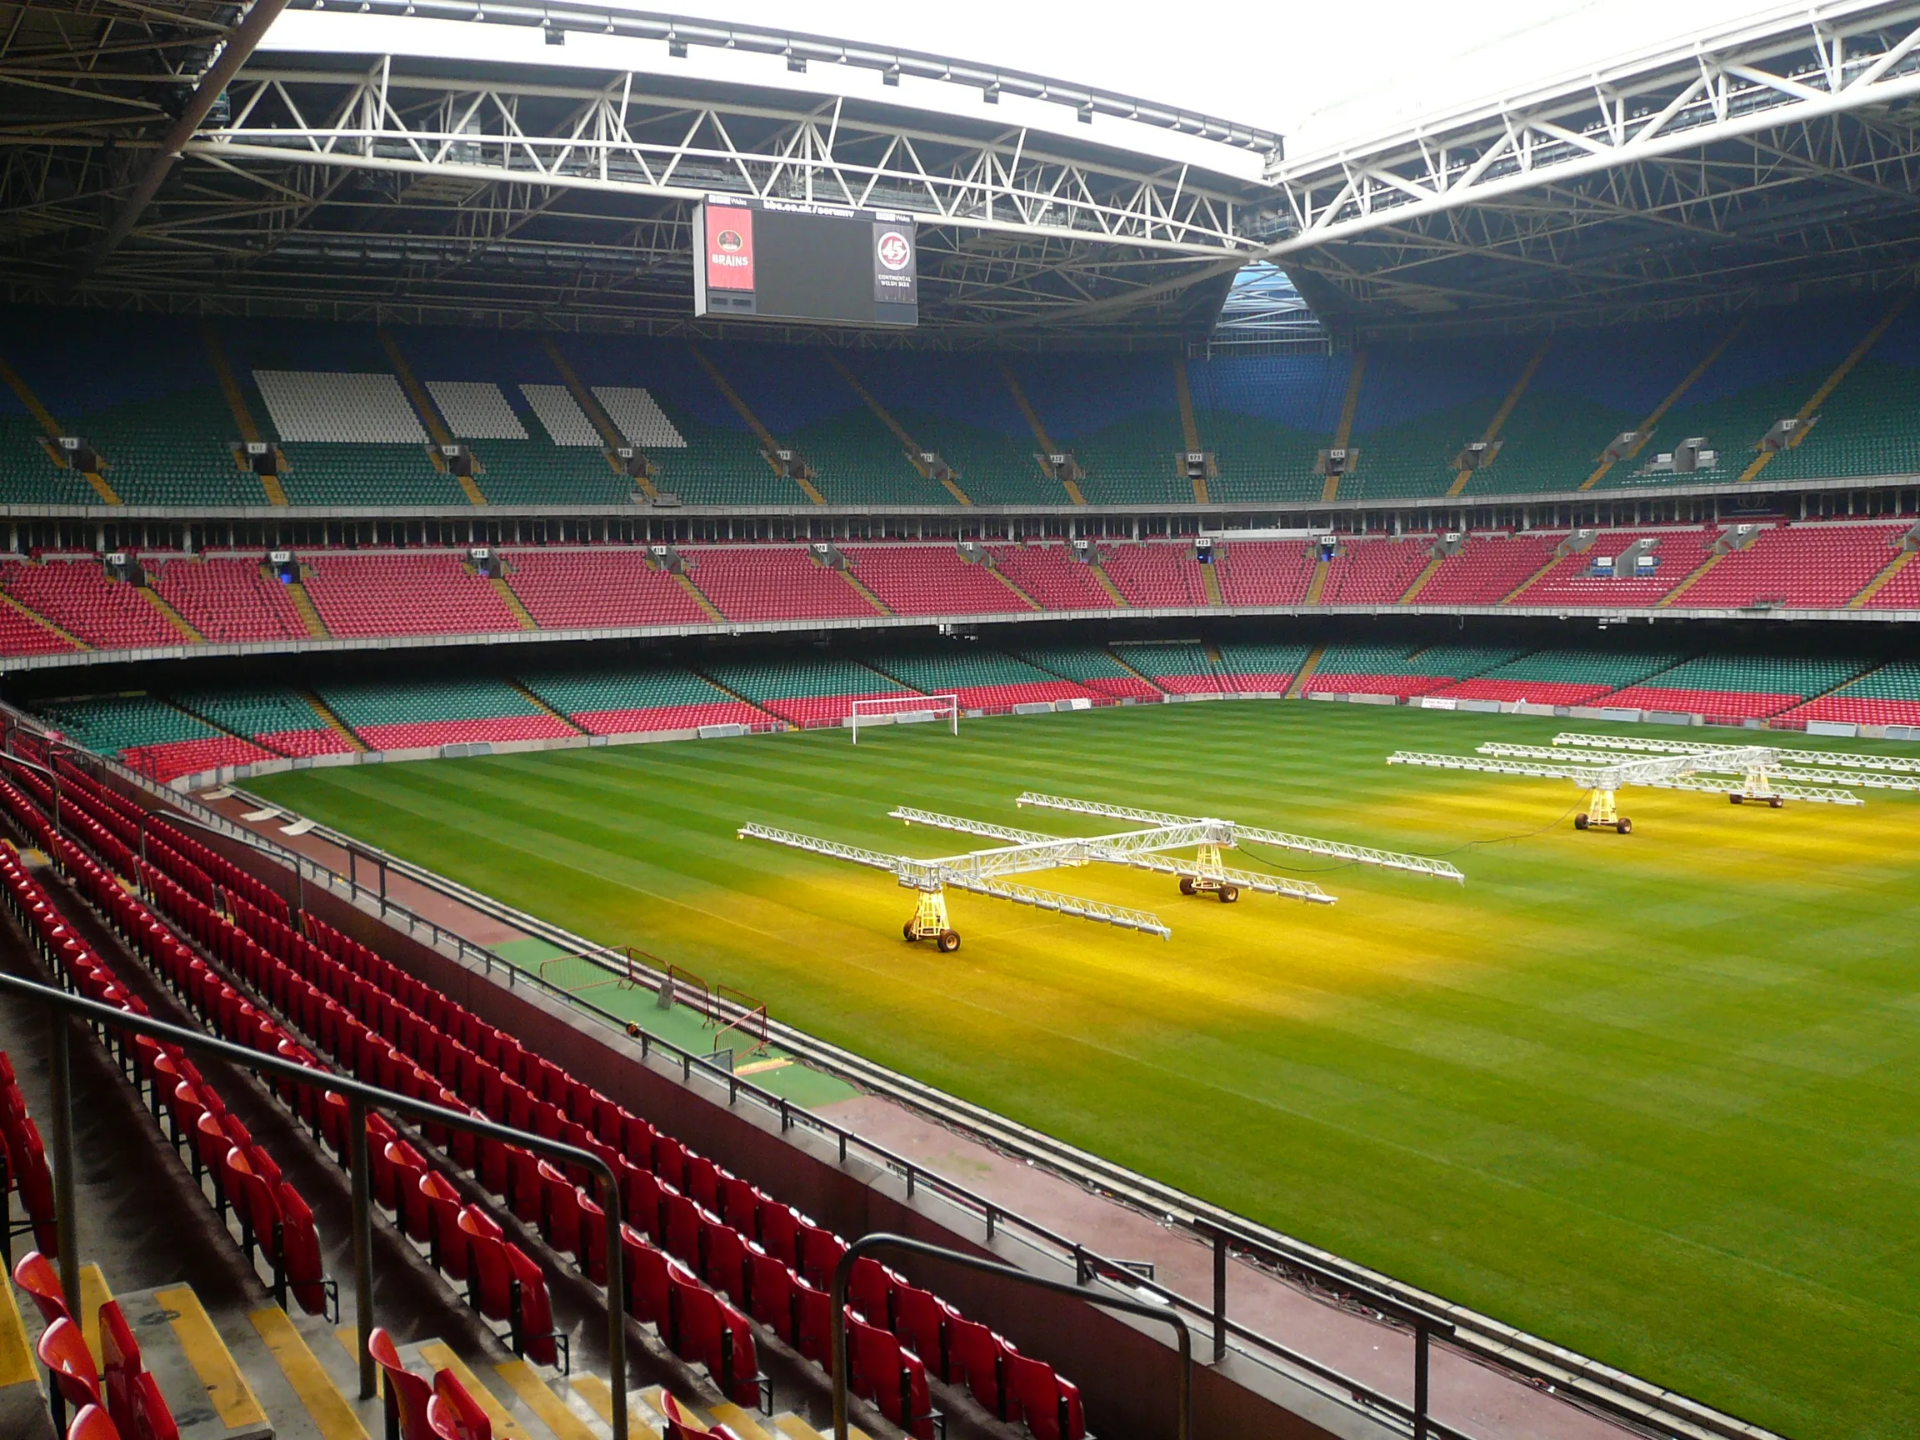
(794, 260)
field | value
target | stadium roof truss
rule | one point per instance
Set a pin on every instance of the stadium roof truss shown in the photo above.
(482, 190)
(1730, 170)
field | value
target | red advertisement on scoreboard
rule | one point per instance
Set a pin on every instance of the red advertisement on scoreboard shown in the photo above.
(729, 247)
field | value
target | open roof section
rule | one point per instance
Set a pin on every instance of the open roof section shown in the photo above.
(1754, 163)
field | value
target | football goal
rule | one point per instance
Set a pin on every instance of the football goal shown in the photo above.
(904, 710)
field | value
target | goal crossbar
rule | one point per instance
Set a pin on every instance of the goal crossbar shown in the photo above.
(903, 710)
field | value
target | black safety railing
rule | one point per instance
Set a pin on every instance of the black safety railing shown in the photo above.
(1089, 1266)
(360, 1097)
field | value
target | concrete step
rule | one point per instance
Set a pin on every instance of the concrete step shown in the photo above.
(208, 1377)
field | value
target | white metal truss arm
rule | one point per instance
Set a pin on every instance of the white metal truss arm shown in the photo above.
(1245, 879)
(1304, 844)
(1896, 764)
(1794, 775)
(1591, 776)
(1728, 758)
(965, 826)
(1707, 784)
(908, 871)
(1072, 906)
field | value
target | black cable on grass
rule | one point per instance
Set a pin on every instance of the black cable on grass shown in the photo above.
(1423, 854)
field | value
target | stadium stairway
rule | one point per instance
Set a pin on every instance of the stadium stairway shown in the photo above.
(1305, 672)
(236, 398)
(1032, 418)
(35, 618)
(1880, 582)
(768, 444)
(172, 616)
(231, 1363)
(333, 722)
(1189, 427)
(899, 432)
(429, 413)
(1819, 397)
(1694, 577)
(513, 603)
(51, 428)
(1672, 398)
(1422, 580)
(1504, 413)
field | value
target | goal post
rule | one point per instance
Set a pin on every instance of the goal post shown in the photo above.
(904, 710)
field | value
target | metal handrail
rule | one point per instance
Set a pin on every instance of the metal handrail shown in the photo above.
(880, 1240)
(1088, 1263)
(359, 1096)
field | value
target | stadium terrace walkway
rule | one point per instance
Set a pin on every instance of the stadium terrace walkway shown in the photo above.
(1479, 1399)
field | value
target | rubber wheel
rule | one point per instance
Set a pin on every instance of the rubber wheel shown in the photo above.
(1579, 822)
(907, 930)
(1186, 884)
(1229, 894)
(949, 941)
(1736, 799)
(1625, 826)
(1776, 802)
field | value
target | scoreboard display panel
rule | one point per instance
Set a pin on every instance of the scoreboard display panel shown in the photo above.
(791, 260)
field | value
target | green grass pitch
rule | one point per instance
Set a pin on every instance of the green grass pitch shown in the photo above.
(1654, 1097)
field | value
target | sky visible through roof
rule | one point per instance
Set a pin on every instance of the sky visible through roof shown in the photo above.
(1321, 74)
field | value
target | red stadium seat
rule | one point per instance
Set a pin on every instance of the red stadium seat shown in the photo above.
(453, 1414)
(36, 1275)
(406, 1394)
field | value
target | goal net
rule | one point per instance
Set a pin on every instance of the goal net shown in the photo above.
(904, 710)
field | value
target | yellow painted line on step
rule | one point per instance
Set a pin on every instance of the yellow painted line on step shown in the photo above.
(227, 1389)
(16, 1356)
(593, 1390)
(798, 1429)
(332, 1416)
(349, 1339)
(547, 1407)
(93, 1294)
(759, 1066)
(440, 1357)
(738, 1421)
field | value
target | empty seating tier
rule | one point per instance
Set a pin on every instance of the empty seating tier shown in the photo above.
(770, 582)
(609, 588)
(408, 715)
(1261, 669)
(628, 702)
(930, 580)
(980, 679)
(1393, 670)
(1092, 667)
(1737, 687)
(1264, 572)
(1797, 567)
(805, 692)
(1155, 574)
(78, 596)
(229, 598)
(1052, 577)
(1889, 695)
(1559, 677)
(1600, 575)
(1487, 570)
(280, 720)
(402, 593)
(151, 736)
(1182, 668)
(1374, 572)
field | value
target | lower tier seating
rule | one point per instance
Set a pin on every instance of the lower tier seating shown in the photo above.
(410, 715)
(1737, 686)
(1182, 668)
(633, 702)
(1889, 695)
(805, 692)
(154, 737)
(980, 679)
(1559, 677)
(1092, 667)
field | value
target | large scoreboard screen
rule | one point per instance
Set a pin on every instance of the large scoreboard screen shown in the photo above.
(789, 260)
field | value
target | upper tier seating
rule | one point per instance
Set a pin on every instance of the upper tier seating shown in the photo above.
(1489, 569)
(1264, 572)
(406, 715)
(1052, 576)
(151, 736)
(23, 634)
(629, 702)
(930, 580)
(78, 596)
(1901, 591)
(1374, 572)
(1155, 574)
(980, 679)
(229, 598)
(805, 692)
(1889, 695)
(1573, 582)
(1560, 677)
(1092, 667)
(143, 389)
(1737, 687)
(603, 588)
(1804, 567)
(402, 593)
(773, 582)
